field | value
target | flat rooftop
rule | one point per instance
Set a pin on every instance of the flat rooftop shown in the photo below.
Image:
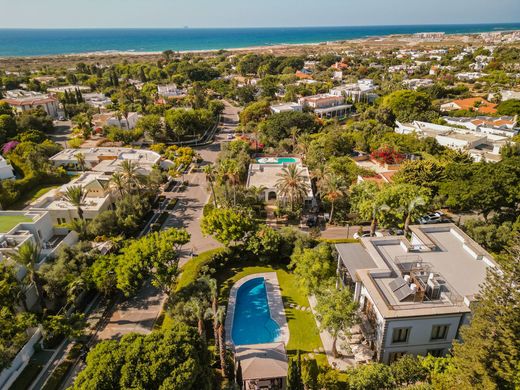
(8, 222)
(439, 253)
(267, 175)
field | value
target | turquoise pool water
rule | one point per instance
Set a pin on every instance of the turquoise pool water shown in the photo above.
(252, 322)
(276, 160)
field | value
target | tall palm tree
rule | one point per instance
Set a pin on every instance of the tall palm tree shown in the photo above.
(76, 196)
(377, 209)
(118, 182)
(292, 185)
(129, 171)
(28, 255)
(80, 158)
(209, 171)
(213, 291)
(199, 310)
(221, 318)
(231, 173)
(411, 210)
(294, 135)
(334, 188)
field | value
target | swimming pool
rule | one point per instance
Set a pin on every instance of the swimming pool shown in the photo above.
(276, 160)
(252, 322)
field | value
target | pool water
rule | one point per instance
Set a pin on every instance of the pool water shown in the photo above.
(252, 322)
(276, 160)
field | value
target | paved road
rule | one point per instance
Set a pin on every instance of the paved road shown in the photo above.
(139, 313)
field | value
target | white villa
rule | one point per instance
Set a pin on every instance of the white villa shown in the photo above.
(99, 196)
(266, 173)
(106, 159)
(170, 91)
(414, 295)
(326, 105)
(363, 90)
(19, 227)
(112, 119)
(22, 101)
(483, 144)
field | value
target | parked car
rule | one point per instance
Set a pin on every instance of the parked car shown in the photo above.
(357, 236)
(436, 217)
(396, 232)
(231, 136)
(312, 221)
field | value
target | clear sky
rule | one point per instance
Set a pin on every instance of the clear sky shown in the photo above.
(250, 13)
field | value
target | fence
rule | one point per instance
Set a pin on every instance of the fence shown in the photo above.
(10, 374)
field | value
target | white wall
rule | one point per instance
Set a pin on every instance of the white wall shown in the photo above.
(420, 333)
(9, 375)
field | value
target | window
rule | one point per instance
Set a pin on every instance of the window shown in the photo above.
(439, 332)
(436, 352)
(61, 221)
(400, 335)
(394, 356)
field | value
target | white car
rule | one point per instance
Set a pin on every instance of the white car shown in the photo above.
(357, 236)
(231, 136)
(436, 217)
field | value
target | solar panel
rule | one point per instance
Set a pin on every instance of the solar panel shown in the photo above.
(397, 283)
(403, 292)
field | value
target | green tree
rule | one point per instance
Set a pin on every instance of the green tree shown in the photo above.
(374, 376)
(509, 107)
(333, 189)
(28, 255)
(337, 312)
(488, 357)
(292, 185)
(151, 125)
(228, 226)
(310, 372)
(408, 370)
(75, 195)
(167, 359)
(294, 380)
(255, 112)
(314, 267)
(408, 106)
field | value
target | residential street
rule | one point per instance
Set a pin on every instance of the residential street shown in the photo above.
(139, 313)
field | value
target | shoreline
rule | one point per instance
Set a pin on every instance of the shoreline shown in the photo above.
(506, 29)
(367, 43)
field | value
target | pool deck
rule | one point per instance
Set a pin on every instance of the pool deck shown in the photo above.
(274, 298)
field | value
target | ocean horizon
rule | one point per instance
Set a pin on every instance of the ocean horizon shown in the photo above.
(46, 42)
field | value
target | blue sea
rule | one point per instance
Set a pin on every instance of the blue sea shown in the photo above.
(40, 42)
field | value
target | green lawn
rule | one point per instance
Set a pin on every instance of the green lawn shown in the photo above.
(304, 335)
(7, 222)
(32, 195)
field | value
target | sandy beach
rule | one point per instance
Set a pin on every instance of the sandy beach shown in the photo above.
(374, 43)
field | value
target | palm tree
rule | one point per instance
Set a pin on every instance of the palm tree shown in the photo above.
(377, 209)
(221, 318)
(80, 158)
(131, 176)
(231, 173)
(213, 290)
(334, 188)
(209, 170)
(199, 310)
(412, 207)
(292, 184)
(28, 255)
(294, 134)
(76, 196)
(117, 180)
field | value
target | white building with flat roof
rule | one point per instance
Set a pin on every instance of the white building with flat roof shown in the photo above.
(326, 105)
(99, 196)
(286, 107)
(106, 159)
(363, 90)
(171, 91)
(482, 144)
(414, 295)
(267, 172)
